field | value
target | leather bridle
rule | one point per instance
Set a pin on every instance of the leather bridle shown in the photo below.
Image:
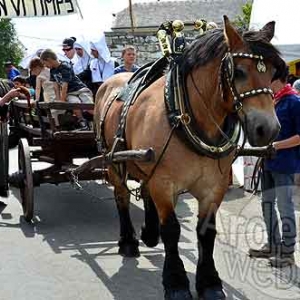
(227, 75)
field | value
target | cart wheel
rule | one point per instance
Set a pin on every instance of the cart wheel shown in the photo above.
(3, 159)
(26, 188)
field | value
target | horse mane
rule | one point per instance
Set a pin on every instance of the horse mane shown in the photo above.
(212, 45)
(5, 87)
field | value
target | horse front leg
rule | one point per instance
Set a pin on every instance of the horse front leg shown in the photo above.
(175, 281)
(128, 243)
(208, 282)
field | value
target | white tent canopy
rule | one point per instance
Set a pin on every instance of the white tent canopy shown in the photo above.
(286, 15)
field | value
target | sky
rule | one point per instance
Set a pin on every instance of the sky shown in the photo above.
(286, 15)
(37, 33)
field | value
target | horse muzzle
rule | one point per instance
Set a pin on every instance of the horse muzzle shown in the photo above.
(261, 128)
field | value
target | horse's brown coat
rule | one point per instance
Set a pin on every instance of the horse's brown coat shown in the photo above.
(181, 168)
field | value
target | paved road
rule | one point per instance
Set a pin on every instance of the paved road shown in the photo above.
(71, 250)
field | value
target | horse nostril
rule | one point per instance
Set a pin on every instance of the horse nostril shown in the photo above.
(260, 131)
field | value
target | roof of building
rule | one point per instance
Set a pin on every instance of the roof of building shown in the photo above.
(154, 13)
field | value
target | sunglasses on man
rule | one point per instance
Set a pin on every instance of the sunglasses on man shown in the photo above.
(67, 49)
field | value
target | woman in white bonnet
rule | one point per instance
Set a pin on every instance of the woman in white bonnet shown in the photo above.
(82, 50)
(82, 66)
(102, 65)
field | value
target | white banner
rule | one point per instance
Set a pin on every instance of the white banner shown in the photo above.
(36, 8)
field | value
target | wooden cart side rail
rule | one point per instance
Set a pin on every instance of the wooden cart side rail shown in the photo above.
(32, 130)
(43, 124)
(74, 135)
(55, 105)
(22, 103)
(65, 105)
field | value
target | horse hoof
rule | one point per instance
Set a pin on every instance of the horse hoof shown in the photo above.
(178, 295)
(213, 293)
(150, 238)
(129, 250)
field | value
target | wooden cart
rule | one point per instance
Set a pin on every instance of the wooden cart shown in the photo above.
(42, 138)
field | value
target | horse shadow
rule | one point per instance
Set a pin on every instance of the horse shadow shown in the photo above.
(83, 224)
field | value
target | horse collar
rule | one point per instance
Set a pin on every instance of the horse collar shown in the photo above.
(180, 114)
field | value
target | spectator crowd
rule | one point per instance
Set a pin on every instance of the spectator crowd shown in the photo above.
(76, 78)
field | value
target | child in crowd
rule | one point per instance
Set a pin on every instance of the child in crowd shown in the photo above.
(68, 87)
(42, 80)
(129, 58)
(21, 81)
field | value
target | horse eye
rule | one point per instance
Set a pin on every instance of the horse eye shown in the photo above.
(275, 75)
(239, 74)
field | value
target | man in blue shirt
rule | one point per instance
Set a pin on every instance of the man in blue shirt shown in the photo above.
(278, 179)
(11, 70)
(129, 58)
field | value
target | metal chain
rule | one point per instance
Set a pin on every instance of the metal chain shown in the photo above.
(78, 187)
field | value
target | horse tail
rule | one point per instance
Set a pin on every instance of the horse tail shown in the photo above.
(150, 230)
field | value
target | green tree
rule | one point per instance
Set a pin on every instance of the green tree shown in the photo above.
(243, 20)
(11, 48)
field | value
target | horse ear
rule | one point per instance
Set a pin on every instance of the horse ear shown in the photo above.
(233, 39)
(268, 31)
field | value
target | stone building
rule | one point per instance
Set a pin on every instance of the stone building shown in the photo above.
(148, 16)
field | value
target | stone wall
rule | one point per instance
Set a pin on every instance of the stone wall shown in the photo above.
(146, 44)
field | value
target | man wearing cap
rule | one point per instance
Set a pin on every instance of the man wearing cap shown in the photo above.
(68, 49)
(11, 70)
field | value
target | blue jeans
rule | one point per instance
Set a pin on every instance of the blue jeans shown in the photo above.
(278, 186)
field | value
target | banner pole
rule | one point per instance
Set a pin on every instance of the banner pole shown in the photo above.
(79, 9)
(131, 16)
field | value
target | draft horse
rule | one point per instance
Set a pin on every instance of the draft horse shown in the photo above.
(191, 117)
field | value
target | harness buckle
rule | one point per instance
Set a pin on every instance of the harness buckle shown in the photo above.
(237, 106)
(185, 119)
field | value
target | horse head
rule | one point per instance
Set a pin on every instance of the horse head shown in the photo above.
(250, 65)
(229, 73)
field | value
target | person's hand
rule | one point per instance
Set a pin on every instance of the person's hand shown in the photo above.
(270, 152)
(12, 94)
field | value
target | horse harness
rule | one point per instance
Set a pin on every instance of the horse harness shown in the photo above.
(179, 111)
(139, 81)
